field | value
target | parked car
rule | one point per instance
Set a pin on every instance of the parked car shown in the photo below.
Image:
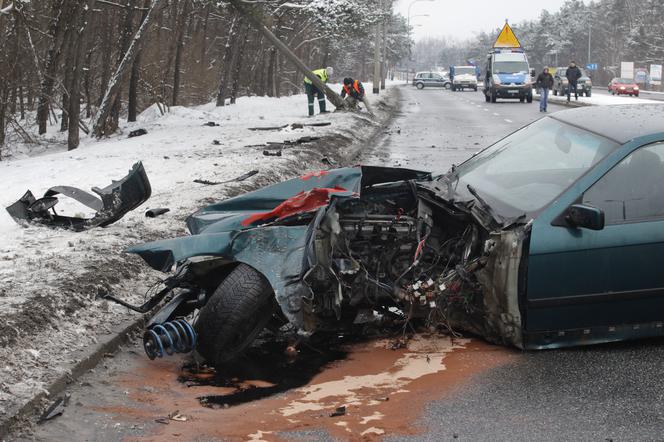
(560, 83)
(624, 86)
(431, 79)
(552, 237)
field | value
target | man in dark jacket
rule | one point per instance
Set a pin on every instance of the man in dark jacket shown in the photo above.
(353, 92)
(544, 84)
(573, 74)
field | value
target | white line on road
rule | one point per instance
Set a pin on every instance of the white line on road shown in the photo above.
(495, 114)
(509, 121)
(486, 110)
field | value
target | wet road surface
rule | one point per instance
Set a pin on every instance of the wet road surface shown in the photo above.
(435, 388)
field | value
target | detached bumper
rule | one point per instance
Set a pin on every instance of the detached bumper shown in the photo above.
(113, 203)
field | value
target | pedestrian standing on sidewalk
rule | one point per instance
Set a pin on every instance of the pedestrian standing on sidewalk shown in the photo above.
(353, 92)
(312, 91)
(544, 84)
(573, 74)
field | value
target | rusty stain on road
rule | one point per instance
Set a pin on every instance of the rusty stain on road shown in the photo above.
(384, 391)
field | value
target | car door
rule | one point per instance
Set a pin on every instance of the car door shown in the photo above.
(600, 280)
(436, 80)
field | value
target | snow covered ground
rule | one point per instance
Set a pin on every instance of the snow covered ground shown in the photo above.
(601, 100)
(51, 280)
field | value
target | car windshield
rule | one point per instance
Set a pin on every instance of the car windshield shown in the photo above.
(524, 172)
(510, 67)
(464, 71)
(624, 81)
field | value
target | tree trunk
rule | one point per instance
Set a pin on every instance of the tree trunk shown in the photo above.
(79, 48)
(100, 120)
(244, 36)
(106, 50)
(125, 39)
(258, 23)
(178, 51)
(132, 106)
(226, 61)
(61, 11)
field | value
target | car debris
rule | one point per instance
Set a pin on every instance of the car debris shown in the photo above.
(137, 133)
(293, 126)
(272, 153)
(114, 201)
(55, 409)
(239, 179)
(211, 124)
(339, 411)
(153, 213)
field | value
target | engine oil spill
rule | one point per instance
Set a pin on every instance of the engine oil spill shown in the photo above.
(265, 370)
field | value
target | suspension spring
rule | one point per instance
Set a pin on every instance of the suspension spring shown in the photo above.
(176, 336)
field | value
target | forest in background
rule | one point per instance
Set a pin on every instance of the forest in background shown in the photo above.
(59, 59)
(619, 30)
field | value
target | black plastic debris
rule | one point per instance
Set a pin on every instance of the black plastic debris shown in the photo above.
(55, 409)
(272, 153)
(234, 180)
(340, 411)
(211, 124)
(153, 213)
(216, 142)
(137, 133)
(113, 203)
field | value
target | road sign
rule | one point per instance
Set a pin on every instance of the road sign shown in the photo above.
(591, 66)
(507, 39)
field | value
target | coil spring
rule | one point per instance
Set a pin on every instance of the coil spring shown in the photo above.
(176, 336)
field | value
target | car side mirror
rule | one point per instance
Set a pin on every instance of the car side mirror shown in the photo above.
(585, 217)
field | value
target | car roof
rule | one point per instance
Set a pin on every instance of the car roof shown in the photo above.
(621, 123)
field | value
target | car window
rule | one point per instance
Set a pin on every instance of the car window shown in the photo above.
(436, 76)
(634, 189)
(527, 170)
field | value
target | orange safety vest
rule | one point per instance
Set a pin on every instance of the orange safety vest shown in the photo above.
(356, 86)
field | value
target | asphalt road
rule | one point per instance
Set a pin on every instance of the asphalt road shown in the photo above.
(601, 393)
(437, 128)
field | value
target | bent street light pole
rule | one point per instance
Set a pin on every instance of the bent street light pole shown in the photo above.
(255, 20)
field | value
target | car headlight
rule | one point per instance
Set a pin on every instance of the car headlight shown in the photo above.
(496, 79)
(636, 88)
(622, 88)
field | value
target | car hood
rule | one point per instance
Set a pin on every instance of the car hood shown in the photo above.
(513, 78)
(225, 229)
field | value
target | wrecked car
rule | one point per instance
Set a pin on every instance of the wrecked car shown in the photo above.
(551, 237)
(114, 202)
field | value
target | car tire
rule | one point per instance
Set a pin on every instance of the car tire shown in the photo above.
(555, 92)
(487, 98)
(475, 89)
(448, 86)
(636, 95)
(529, 98)
(238, 310)
(522, 99)
(589, 94)
(494, 96)
(420, 86)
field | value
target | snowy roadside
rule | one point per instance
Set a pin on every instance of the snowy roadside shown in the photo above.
(51, 280)
(597, 100)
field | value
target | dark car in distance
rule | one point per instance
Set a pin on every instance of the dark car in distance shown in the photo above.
(560, 83)
(551, 237)
(431, 79)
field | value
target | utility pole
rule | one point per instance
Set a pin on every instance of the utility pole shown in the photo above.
(377, 51)
(386, 23)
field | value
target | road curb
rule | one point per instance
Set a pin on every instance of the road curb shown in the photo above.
(564, 103)
(89, 357)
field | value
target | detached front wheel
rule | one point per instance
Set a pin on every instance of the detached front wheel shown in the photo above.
(234, 315)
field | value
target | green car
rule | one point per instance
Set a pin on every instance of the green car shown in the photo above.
(552, 237)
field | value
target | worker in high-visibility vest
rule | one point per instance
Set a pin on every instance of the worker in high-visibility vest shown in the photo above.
(353, 92)
(313, 91)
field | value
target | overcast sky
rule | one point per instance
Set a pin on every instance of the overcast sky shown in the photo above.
(463, 18)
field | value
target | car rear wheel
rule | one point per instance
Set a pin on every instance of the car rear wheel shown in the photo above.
(589, 94)
(420, 85)
(448, 86)
(234, 315)
(494, 97)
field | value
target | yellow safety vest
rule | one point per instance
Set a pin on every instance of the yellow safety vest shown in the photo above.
(320, 73)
